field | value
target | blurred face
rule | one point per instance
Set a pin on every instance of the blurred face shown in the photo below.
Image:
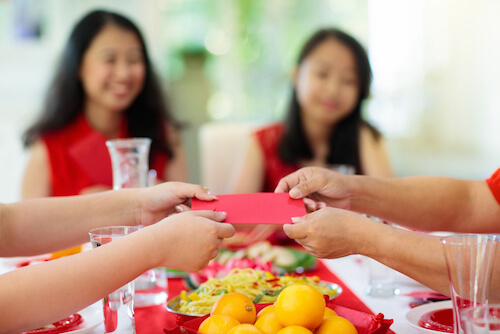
(327, 83)
(113, 70)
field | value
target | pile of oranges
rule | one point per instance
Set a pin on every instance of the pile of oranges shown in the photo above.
(299, 309)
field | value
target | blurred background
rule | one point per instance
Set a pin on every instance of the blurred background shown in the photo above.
(435, 94)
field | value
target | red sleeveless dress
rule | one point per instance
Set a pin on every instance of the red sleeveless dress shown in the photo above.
(494, 184)
(269, 139)
(79, 158)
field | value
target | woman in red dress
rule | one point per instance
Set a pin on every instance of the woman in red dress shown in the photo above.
(104, 88)
(324, 126)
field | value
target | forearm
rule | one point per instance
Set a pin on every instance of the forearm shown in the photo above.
(40, 294)
(427, 203)
(416, 255)
(48, 224)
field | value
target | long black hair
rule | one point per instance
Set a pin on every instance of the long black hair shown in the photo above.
(65, 98)
(344, 141)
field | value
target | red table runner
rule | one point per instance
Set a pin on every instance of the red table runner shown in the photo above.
(154, 319)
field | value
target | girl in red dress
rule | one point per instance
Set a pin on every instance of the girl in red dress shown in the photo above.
(324, 126)
(104, 88)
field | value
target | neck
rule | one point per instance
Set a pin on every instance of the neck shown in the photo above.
(102, 120)
(318, 136)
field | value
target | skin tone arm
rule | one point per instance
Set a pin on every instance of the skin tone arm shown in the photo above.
(333, 233)
(48, 224)
(176, 169)
(250, 170)
(374, 156)
(36, 176)
(422, 202)
(37, 295)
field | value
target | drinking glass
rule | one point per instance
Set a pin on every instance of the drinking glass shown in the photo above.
(381, 280)
(129, 159)
(118, 306)
(481, 319)
(469, 258)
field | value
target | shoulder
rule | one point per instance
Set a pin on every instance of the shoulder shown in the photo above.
(270, 133)
(369, 133)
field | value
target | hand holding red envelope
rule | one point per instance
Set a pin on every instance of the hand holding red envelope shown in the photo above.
(255, 208)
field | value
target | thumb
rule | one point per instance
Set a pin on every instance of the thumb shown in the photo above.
(213, 215)
(297, 230)
(225, 230)
(305, 188)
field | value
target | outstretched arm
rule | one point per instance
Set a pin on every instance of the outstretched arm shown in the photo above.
(333, 233)
(37, 295)
(422, 202)
(48, 224)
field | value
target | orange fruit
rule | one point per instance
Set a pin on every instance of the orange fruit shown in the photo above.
(268, 323)
(294, 330)
(217, 324)
(245, 329)
(235, 305)
(265, 310)
(300, 304)
(337, 325)
(329, 313)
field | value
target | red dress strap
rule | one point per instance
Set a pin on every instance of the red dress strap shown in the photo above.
(494, 183)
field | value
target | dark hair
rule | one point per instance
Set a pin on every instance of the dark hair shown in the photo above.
(344, 141)
(65, 99)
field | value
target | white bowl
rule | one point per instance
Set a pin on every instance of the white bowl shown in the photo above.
(414, 315)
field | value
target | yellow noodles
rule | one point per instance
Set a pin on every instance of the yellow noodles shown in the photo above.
(259, 286)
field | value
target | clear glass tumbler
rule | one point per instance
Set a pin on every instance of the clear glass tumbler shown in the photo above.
(130, 164)
(469, 258)
(481, 319)
(118, 306)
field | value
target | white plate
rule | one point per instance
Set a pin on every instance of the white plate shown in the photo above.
(92, 317)
(414, 315)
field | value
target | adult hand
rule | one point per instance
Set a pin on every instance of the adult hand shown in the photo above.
(158, 202)
(318, 184)
(188, 240)
(330, 232)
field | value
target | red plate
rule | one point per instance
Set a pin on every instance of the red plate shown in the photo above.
(438, 320)
(62, 326)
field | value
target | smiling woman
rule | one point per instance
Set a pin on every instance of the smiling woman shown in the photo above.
(104, 88)
(324, 126)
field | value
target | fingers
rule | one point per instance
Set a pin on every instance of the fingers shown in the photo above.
(187, 191)
(213, 215)
(297, 230)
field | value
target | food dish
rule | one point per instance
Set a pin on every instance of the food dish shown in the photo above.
(414, 315)
(173, 304)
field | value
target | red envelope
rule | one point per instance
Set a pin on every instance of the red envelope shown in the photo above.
(256, 208)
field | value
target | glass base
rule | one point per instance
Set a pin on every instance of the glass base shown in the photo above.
(382, 291)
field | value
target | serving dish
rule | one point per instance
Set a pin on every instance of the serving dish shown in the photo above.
(173, 304)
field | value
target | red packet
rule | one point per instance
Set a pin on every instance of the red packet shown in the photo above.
(256, 208)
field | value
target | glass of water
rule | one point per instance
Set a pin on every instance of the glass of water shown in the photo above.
(118, 306)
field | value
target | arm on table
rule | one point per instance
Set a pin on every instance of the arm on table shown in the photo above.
(34, 296)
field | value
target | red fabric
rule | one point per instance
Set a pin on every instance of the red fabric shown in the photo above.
(156, 318)
(275, 169)
(494, 184)
(79, 158)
